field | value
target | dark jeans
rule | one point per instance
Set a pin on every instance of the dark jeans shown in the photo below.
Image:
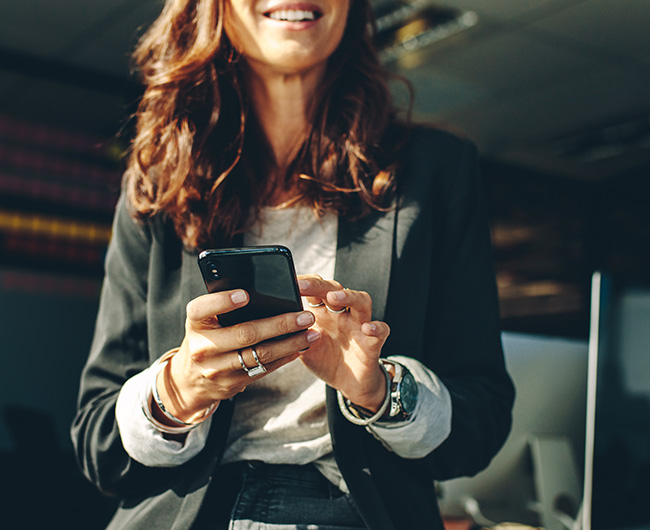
(257, 496)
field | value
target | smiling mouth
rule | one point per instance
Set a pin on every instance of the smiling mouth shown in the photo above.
(293, 15)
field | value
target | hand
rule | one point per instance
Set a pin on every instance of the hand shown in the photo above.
(207, 368)
(347, 355)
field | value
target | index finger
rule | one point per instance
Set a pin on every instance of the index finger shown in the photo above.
(359, 303)
(313, 286)
(203, 310)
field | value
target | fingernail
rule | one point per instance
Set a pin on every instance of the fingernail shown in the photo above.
(305, 319)
(338, 295)
(303, 284)
(313, 335)
(238, 297)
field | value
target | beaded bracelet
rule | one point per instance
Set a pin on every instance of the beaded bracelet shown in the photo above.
(151, 392)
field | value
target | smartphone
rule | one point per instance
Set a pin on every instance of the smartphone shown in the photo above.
(266, 273)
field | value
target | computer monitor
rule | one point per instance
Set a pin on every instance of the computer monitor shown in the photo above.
(617, 454)
(550, 376)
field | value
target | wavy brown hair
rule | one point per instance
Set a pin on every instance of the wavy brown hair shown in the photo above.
(199, 156)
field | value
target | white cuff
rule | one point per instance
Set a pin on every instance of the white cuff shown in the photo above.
(141, 440)
(431, 421)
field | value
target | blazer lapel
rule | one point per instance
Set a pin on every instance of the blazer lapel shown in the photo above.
(192, 283)
(364, 256)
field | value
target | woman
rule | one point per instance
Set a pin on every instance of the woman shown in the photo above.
(267, 122)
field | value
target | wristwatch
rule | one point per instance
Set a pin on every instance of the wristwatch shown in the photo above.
(399, 403)
(403, 394)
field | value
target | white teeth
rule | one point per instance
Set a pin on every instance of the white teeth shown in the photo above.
(292, 15)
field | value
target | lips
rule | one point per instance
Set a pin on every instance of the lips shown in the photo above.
(294, 13)
(297, 15)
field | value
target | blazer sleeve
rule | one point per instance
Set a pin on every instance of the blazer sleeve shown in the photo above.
(119, 350)
(462, 331)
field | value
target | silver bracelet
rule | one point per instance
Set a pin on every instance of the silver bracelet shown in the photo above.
(152, 393)
(146, 410)
(345, 405)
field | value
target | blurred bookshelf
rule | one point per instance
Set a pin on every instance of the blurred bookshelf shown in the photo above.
(551, 233)
(58, 190)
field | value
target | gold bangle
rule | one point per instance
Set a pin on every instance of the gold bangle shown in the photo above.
(181, 427)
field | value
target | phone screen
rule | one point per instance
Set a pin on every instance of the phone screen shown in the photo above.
(266, 273)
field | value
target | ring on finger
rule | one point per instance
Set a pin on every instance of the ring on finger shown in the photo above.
(319, 304)
(337, 311)
(260, 367)
(255, 371)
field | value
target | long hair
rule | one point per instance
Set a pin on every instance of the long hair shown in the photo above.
(199, 156)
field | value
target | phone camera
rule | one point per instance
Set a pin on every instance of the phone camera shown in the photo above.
(213, 269)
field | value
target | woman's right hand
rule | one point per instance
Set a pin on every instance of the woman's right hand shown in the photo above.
(207, 368)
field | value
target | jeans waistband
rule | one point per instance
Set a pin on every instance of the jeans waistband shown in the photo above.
(289, 474)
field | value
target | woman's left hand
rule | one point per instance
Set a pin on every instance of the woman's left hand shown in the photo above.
(347, 355)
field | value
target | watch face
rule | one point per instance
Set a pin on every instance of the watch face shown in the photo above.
(408, 393)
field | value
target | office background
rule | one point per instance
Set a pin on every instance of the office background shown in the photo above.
(554, 92)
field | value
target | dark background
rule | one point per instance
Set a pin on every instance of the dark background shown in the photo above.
(554, 92)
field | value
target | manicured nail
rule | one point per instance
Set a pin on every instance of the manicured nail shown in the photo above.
(338, 295)
(238, 297)
(303, 284)
(313, 335)
(305, 319)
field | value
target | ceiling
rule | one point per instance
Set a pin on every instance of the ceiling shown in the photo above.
(559, 86)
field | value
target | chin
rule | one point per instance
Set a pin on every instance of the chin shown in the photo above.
(294, 63)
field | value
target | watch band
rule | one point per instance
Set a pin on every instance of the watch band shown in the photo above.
(393, 410)
(398, 411)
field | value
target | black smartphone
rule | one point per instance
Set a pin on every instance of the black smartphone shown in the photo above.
(266, 273)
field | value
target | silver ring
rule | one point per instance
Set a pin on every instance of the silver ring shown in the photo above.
(260, 368)
(252, 372)
(338, 311)
(319, 304)
(241, 361)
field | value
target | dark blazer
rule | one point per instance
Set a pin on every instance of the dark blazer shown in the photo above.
(427, 265)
